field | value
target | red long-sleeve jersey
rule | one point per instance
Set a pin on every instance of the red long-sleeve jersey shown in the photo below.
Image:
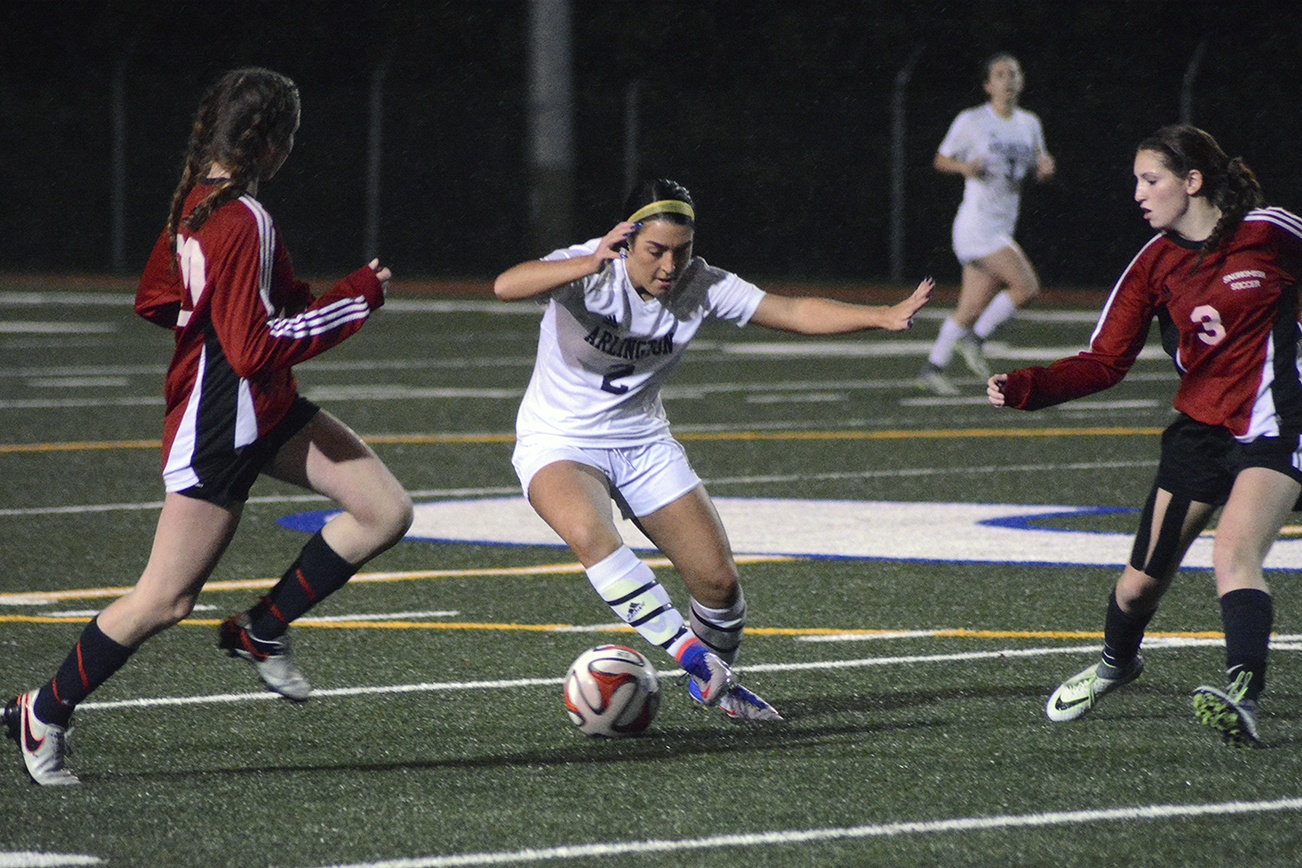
(1234, 316)
(241, 321)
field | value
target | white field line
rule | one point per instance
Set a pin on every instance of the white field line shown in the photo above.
(788, 837)
(514, 683)
(32, 859)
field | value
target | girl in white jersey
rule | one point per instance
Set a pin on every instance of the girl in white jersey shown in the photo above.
(618, 314)
(994, 147)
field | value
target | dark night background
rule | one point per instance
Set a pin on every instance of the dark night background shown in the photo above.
(775, 114)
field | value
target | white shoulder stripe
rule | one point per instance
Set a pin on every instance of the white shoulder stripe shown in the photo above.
(1279, 217)
(266, 249)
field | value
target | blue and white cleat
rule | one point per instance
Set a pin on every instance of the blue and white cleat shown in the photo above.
(708, 673)
(741, 705)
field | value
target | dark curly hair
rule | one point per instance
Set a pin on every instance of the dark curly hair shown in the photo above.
(243, 122)
(1227, 183)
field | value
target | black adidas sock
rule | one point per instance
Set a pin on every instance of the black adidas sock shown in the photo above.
(1248, 615)
(1122, 634)
(90, 663)
(318, 572)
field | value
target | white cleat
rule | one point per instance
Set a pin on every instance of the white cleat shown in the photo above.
(1078, 694)
(44, 745)
(272, 660)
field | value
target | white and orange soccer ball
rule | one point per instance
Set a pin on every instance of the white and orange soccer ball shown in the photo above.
(611, 691)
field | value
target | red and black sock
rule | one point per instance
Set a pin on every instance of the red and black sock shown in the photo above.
(90, 663)
(318, 573)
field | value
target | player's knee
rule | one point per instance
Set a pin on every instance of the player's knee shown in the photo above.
(161, 614)
(1025, 290)
(391, 517)
(1236, 565)
(717, 588)
(1139, 593)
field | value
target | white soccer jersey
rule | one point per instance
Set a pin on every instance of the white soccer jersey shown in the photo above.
(1010, 148)
(604, 352)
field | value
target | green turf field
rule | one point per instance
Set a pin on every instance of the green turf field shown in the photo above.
(910, 649)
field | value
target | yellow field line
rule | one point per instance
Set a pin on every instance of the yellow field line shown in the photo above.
(741, 436)
(796, 632)
(26, 598)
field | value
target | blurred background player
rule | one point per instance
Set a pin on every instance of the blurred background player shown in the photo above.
(221, 280)
(618, 314)
(1222, 278)
(994, 147)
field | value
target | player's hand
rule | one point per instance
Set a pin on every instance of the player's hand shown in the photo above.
(1045, 166)
(382, 274)
(614, 245)
(900, 316)
(975, 168)
(995, 389)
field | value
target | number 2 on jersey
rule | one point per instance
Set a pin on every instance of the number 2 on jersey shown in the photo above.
(615, 373)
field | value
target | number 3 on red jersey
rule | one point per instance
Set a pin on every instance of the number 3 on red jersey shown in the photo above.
(1209, 318)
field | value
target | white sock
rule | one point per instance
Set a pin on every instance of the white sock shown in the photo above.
(999, 311)
(630, 589)
(943, 349)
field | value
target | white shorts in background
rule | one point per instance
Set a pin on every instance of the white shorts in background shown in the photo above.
(973, 237)
(646, 477)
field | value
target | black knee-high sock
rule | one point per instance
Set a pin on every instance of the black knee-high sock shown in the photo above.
(90, 663)
(1122, 633)
(1248, 615)
(318, 572)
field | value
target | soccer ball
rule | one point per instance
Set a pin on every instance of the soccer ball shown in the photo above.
(611, 692)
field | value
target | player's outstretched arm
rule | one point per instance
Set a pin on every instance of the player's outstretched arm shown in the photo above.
(537, 276)
(823, 316)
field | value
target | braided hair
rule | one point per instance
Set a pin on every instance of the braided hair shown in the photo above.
(1227, 183)
(243, 122)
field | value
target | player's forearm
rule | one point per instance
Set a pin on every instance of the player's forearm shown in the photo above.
(537, 276)
(949, 166)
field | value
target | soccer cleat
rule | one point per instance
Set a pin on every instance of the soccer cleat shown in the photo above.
(932, 379)
(272, 660)
(1228, 713)
(709, 673)
(1082, 691)
(740, 704)
(972, 349)
(44, 745)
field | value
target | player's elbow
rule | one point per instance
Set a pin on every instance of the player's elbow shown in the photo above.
(507, 288)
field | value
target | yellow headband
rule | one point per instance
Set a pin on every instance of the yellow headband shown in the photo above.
(664, 206)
